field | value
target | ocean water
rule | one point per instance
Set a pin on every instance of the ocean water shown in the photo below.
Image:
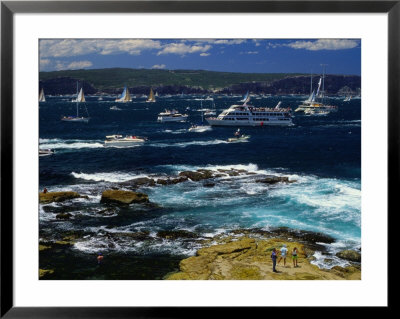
(321, 153)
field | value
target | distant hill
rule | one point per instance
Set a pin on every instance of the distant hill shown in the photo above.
(139, 81)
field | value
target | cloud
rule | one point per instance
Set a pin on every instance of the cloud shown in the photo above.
(182, 48)
(158, 66)
(204, 54)
(72, 47)
(324, 44)
(223, 41)
(79, 65)
(249, 52)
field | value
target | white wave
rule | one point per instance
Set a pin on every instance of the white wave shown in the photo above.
(113, 177)
(70, 144)
(185, 144)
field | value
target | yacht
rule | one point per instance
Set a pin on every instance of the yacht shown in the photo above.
(248, 115)
(45, 152)
(119, 140)
(312, 104)
(171, 116)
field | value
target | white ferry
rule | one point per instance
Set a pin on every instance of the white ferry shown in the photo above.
(171, 116)
(247, 115)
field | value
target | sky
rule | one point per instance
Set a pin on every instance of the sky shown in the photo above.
(341, 56)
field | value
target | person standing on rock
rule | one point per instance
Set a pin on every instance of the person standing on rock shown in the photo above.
(273, 257)
(100, 258)
(294, 256)
(283, 255)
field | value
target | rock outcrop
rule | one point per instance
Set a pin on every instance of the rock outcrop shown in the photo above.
(250, 259)
(350, 255)
(123, 197)
(50, 197)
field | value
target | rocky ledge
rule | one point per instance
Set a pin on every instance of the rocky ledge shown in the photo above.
(50, 197)
(123, 197)
(248, 258)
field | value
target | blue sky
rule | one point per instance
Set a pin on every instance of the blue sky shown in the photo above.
(342, 56)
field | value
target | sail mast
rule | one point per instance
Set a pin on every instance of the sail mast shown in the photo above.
(77, 94)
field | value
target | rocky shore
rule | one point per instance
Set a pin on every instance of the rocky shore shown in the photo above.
(248, 258)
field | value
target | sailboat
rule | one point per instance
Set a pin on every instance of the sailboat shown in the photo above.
(42, 98)
(211, 111)
(79, 98)
(125, 96)
(199, 128)
(245, 97)
(151, 96)
(311, 106)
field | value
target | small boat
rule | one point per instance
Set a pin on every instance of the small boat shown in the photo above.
(115, 108)
(316, 112)
(80, 98)
(124, 97)
(238, 139)
(199, 128)
(119, 140)
(100, 98)
(42, 98)
(347, 99)
(151, 96)
(45, 152)
(171, 116)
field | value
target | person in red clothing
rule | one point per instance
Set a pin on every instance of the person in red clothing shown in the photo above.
(100, 258)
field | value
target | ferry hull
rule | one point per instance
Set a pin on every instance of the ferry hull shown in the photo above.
(236, 123)
(172, 119)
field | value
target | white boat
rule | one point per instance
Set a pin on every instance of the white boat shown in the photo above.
(316, 111)
(45, 152)
(199, 128)
(245, 97)
(115, 108)
(120, 141)
(42, 98)
(347, 99)
(238, 139)
(248, 115)
(151, 97)
(312, 104)
(77, 118)
(124, 97)
(171, 116)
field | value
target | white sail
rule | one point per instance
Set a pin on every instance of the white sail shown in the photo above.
(278, 105)
(319, 87)
(81, 96)
(42, 98)
(125, 96)
(245, 97)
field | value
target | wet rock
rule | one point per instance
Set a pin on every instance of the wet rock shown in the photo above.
(271, 179)
(232, 247)
(50, 197)
(197, 176)
(64, 216)
(174, 234)
(209, 184)
(141, 235)
(44, 272)
(171, 181)
(350, 255)
(123, 197)
(139, 182)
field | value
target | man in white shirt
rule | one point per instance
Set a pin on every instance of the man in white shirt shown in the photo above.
(283, 254)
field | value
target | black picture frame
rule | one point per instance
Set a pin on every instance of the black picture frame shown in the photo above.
(9, 8)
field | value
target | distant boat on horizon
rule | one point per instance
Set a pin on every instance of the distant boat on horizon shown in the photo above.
(80, 98)
(151, 96)
(42, 98)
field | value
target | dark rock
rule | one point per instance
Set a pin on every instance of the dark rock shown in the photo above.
(209, 184)
(174, 234)
(138, 182)
(270, 179)
(64, 216)
(197, 176)
(171, 181)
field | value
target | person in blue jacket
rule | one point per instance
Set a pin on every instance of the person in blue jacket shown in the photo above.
(273, 257)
